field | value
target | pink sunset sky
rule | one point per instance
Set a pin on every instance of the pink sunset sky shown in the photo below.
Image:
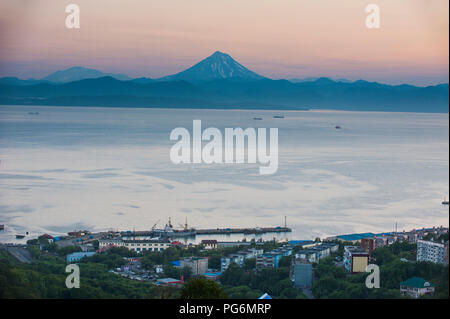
(277, 39)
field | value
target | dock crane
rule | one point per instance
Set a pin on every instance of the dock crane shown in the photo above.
(154, 226)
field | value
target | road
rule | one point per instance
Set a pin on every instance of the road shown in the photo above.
(19, 252)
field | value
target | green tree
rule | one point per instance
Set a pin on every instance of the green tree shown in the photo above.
(249, 264)
(63, 251)
(242, 292)
(201, 288)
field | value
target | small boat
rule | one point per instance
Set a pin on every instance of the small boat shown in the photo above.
(337, 127)
(257, 118)
(20, 236)
(33, 113)
(445, 201)
(2, 227)
(278, 116)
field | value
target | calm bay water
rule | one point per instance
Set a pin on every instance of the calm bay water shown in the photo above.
(72, 168)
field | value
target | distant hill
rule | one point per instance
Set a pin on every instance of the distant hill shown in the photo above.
(12, 80)
(311, 79)
(77, 73)
(217, 66)
(232, 93)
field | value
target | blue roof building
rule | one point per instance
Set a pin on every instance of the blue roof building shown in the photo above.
(355, 237)
(78, 256)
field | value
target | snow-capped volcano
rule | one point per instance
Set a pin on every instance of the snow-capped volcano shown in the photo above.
(217, 66)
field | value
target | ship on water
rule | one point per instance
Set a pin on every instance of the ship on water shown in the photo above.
(170, 232)
(167, 232)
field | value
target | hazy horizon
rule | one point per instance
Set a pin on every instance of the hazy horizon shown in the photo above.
(283, 40)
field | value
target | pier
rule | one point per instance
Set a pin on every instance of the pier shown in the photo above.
(262, 230)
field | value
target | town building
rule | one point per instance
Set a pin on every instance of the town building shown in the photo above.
(303, 243)
(416, 287)
(136, 245)
(209, 243)
(370, 244)
(268, 260)
(78, 256)
(225, 244)
(78, 233)
(353, 238)
(317, 252)
(308, 254)
(255, 252)
(355, 259)
(212, 275)
(301, 273)
(198, 265)
(239, 257)
(226, 261)
(432, 251)
(171, 282)
(334, 247)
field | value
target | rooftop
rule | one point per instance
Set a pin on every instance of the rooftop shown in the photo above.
(416, 282)
(352, 237)
(147, 241)
(168, 280)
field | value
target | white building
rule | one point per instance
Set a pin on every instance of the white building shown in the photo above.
(136, 245)
(431, 251)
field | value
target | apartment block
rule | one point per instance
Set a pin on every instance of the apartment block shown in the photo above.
(356, 259)
(432, 251)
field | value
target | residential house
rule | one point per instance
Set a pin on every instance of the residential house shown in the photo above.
(416, 287)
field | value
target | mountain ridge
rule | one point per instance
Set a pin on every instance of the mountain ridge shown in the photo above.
(229, 93)
(76, 73)
(219, 81)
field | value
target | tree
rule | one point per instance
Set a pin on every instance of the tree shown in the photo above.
(285, 261)
(171, 271)
(63, 251)
(186, 272)
(232, 276)
(249, 264)
(202, 288)
(242, 292)
(214, 262)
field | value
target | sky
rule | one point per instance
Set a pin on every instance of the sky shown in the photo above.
(277, 39)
